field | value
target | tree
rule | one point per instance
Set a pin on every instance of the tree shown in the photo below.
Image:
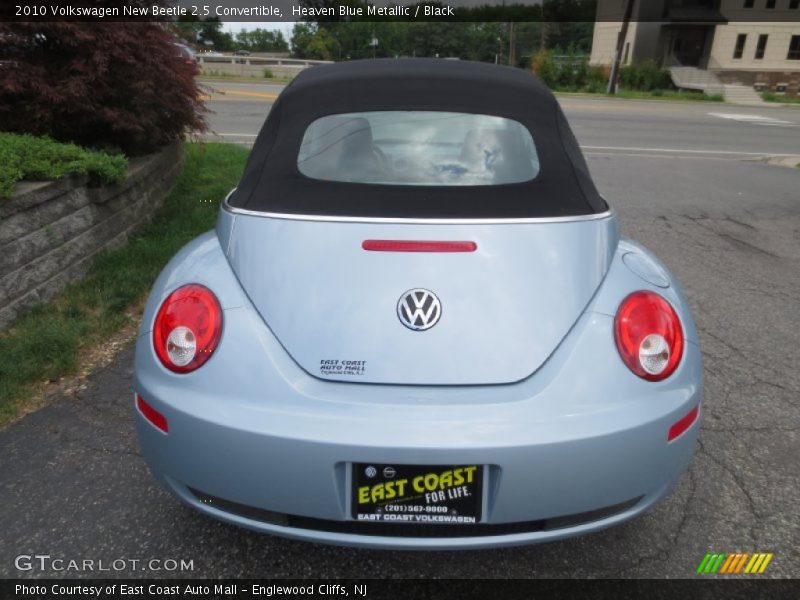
(469, 40)
(322, 46)
(188, 30)
(309, 40)
(350, 41)
(301, 37)
(261, 40)
(353, 39)
(207, 33)
(121, 85)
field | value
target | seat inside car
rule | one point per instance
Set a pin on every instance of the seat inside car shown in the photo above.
(346, 147)
(500, 152)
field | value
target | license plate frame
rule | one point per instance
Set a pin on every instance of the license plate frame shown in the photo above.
(450, 494)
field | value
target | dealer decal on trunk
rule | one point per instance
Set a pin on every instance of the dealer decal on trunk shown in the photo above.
(342, 367)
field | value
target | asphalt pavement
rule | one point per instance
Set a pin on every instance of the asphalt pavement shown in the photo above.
(689, 185)
(603, 126)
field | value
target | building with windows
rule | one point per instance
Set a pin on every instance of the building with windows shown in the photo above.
(750, 42)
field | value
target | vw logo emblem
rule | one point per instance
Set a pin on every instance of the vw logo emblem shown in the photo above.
(370, 472)
(419, 309)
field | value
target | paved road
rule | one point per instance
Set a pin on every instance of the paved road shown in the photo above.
(602, 125)
(73, 485)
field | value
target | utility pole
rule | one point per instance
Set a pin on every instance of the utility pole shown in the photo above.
(543, 35)
(623, 33)
(512, 45)
(374, 43)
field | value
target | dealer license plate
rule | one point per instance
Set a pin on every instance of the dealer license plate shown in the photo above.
(422, 494)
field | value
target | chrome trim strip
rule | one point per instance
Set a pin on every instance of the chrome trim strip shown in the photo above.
(404, 221)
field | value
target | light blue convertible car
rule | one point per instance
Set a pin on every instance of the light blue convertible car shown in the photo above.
(416, 326)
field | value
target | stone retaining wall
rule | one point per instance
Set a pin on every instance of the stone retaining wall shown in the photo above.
(51, 231)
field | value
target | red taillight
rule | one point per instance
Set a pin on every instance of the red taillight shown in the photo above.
(187, 328)
(648, 335)
(151, 414)
(681, 426)
(417, 246)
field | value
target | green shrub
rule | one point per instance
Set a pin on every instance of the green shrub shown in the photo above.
(595, 87)
(573, 70)
(773, 97)
(545, 67)
(268, 74)
(570, 74)
(645, 77)
(28, 157)
(98, 84)
(596, 74)
(573, 73)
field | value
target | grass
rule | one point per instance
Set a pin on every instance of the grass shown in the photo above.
(677, 95)
(30, 157)
(773, 97)
(669, 95)
(219, 76)
(47, 343)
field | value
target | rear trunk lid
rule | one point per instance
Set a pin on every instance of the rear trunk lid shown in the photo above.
(503, 308)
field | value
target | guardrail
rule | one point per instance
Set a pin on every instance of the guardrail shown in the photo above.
(259, 61)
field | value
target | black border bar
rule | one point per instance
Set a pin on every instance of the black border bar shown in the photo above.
(707, 12)
(398, 589)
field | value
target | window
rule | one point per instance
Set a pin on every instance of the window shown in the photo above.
(748, 3)
(794, 4)
(741, 39)
(770, 3)
(761, 46)
(418, 148)
(794, 48)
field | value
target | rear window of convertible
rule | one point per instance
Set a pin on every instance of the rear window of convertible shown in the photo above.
(418, 148)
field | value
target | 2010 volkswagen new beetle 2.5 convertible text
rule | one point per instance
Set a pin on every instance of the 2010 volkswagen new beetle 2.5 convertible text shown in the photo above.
(415, 325)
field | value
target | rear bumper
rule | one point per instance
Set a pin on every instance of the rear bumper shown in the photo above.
(445, 537)
(579, 446)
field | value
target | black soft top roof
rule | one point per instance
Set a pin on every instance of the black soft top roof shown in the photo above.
(272, 182)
